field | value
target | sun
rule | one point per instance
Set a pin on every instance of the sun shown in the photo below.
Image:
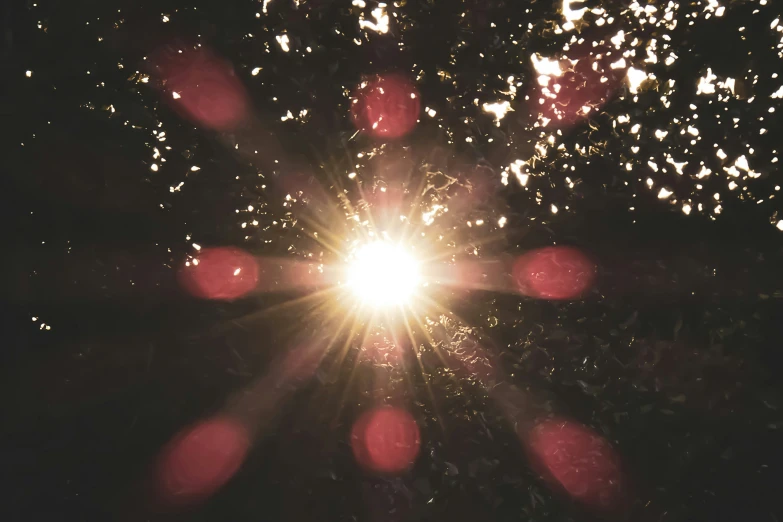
(382, 275)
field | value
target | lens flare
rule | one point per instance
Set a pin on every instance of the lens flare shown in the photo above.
(582, 462)
(200, 460)
(386, 440)
(556, 273)
(220, 273)
(382, 275)
(386, 106)
(200, 86)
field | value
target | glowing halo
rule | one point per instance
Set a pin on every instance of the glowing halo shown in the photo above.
(382, 274)
(386, 276)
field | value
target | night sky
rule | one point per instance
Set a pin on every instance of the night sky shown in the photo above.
(422, 260)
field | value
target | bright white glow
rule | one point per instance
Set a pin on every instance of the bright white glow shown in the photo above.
(572, 14)
(546, 66)
(635, 79)
(705, 85)
(499, 109)
(283, 40)
(383, 274)
(381, 24)
(517, 168)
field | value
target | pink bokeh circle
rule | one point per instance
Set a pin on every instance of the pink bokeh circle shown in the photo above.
(221, 273)
(579, 461)
(556, 273)
(200, 460)
(386, 106)
(385, 440)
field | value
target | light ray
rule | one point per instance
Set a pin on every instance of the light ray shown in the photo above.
(427, 383)
(382, 273)
(349, 382)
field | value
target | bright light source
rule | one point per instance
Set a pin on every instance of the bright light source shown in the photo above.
(383, 274)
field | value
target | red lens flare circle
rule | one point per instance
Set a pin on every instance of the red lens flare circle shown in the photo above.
(386, 106)
(580, 461)
(200, 460)
(385, 440)
(580, 91)
(222, 273)
(202, 87)
(555, 273)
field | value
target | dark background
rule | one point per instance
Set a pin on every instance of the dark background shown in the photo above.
(674, 356)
